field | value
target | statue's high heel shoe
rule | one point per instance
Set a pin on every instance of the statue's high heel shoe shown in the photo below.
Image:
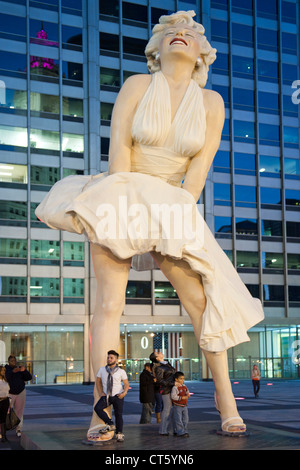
(229, 423)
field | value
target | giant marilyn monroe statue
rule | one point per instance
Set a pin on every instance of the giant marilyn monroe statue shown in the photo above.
(165, 131)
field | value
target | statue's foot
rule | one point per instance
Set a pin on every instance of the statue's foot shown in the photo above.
(96, 434)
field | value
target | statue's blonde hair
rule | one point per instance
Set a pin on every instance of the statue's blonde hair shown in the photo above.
(207, 52)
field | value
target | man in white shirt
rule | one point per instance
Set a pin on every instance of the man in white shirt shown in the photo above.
(110, 388)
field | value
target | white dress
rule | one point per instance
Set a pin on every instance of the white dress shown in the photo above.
(134, 213)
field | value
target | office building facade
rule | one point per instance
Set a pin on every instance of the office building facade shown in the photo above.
(62, 63)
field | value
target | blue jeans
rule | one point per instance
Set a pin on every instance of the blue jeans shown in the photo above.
(181, 419)
(158, 402)
(117, 404)
(166, 415)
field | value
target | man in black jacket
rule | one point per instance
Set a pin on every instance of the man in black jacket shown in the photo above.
(147, 397)
(16, 377)
(164, 374)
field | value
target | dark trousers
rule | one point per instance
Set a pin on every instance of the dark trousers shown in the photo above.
(256, 386)
(117, 404)
(146, 413)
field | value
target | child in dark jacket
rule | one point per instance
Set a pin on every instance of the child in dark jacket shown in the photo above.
(180, 395)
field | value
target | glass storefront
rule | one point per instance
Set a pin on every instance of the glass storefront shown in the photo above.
(52, 353)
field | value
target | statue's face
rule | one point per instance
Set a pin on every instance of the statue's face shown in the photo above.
(180, 40)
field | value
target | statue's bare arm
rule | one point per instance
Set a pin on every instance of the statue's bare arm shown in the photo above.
(123, 113)
(199, 167)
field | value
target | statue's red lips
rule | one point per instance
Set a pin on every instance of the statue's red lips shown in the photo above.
(178, 39)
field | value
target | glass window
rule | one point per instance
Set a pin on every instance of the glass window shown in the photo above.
(268, 102)
(223, 224)
(247, 259)
(246, 226)
(109, 42)
(72, 107)
(267, 39)
(13, 101)
(43, 32)
(242, 34)
(289, 73)
(10, 173)
(243, 67)
(242, 6)
(245, 196)
(294, 293)
(41, 103)
(244, 131)
(13, 64)
(222, 161)
(289, 108)
(292, 197)
(220, 4)
(72, 71)
(72, 6)
(293, 261)
(219, 30)
(134, 46)
(289, 43)
(14, 27)
(244, 163)
(43, 175)
(272, 260)
(270, 196)
(44, 252)
(13, 136)
(73, 290)
(269, 166)
(221, 64)
(224, 92)
(253, 289)
(13, 289)
(109, 77)
(164, 290)
(110, 8)
(271, 228)
(138, 289)
(71, 37)
(73, 252)
(267, 9)
(45, 287)
(291, 168)
(268, 134)
(293, 229)
(222, 194)
(267, 70)
(41, 139)
(12, 248)
(135, 12)
(288, 12)
(291, 136)
(106, 110)
(243, 99)
(73, 143)
(273, 293)
(13, 211)
(104, 145)
(43, 68)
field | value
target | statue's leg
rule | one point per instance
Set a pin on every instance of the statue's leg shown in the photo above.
(189, 288)
(112, 277)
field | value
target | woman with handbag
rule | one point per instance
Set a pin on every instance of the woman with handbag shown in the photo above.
(4, 403)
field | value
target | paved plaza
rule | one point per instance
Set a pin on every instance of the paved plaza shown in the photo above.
(57, 418)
